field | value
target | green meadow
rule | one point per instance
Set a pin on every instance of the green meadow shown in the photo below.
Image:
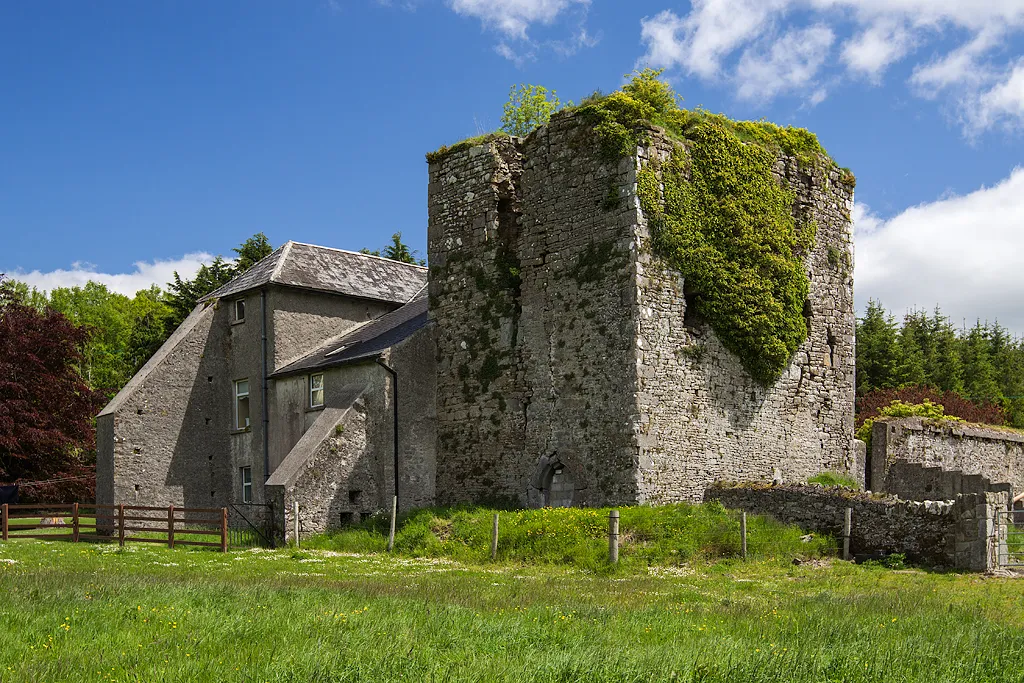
(436, 612)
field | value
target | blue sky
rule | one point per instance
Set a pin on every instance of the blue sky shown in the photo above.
(139, 137)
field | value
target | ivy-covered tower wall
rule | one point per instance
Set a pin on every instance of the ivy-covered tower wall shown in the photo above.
(703, 418)
(569, 370)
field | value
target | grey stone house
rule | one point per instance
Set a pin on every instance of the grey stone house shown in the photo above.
(275, 389)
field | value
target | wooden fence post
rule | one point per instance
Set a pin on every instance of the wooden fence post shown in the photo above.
(847, 528)
(394, 514)
(494, 539)
(120, 524)
(223, 530)
(170, 526)
(74, 523)
(743, 534)
(613, 536)
(3, 519)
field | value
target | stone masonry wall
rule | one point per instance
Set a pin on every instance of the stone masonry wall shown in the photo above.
(563, 344)
(164, 439)
(702, 417)
(960, 533)
(530, 286)
(997, 455)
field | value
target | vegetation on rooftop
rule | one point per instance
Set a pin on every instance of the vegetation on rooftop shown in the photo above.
(718, 213)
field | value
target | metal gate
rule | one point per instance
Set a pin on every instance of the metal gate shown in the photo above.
(1010, 548)
(250, 525)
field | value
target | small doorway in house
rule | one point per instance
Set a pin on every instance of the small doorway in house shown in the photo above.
(558, 487)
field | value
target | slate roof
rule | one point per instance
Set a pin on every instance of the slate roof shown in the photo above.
(366, 341)
(330, 270)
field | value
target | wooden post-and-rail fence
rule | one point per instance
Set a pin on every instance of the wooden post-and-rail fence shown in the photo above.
(127, 523)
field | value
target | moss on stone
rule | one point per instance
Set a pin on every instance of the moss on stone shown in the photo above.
(448, 150)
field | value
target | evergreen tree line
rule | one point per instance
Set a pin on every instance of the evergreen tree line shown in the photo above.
(983, 364)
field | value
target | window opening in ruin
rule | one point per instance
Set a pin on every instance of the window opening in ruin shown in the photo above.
(239, 310)
(246, 473)
(353, 497)
(242, 404)
(558, 487)
(831, 339)
(316, 391)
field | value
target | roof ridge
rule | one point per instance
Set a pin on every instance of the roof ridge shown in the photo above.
(359, 253)
(285, 248)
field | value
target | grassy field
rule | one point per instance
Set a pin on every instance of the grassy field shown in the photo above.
(91, 612)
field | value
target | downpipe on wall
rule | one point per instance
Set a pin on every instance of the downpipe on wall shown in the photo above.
(263, 389)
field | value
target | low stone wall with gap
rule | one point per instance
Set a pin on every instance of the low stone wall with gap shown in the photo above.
(996, 454)
(961, 533)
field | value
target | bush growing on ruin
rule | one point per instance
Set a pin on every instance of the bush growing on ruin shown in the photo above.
(528, 108)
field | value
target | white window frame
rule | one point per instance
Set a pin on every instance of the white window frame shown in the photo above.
(238, 396)
(234, 310)
(246, 474)
(313, 389)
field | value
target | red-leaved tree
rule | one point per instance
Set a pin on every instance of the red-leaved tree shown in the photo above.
(46, 409)
(954, 404)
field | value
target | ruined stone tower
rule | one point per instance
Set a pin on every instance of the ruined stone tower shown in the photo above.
(569, 369)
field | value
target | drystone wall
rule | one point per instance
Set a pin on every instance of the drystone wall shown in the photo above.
(960, 533)
(564, 348)
(997, 455)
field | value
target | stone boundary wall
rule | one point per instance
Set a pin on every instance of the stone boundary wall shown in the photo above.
(995, 454)
(960, 533)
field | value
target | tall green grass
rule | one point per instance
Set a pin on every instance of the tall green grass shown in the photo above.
(578, 537)
(91, 612)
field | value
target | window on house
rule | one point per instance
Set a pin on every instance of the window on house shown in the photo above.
(246, 484)
(239, 310)
(316, 391)
(241, 404)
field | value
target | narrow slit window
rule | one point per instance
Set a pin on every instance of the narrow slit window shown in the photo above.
(246, 484)
(242, 404)
(316, 391)
(239, 310)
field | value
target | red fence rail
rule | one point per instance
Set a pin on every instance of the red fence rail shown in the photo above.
(171, 525)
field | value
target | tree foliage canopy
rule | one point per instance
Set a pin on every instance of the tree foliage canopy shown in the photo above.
(396, 251)
(927, 357)
(46, 407)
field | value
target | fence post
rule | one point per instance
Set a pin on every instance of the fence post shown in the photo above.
(120, 524)
(295, 522)
(394, 514)
(743, 534)
(170, 526)
(223, 530)
(847, 527)
(494, 539)
(74, 523)
(613, 536)
(3, 519)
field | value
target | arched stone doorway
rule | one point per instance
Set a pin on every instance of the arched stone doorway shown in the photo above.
(558, 486)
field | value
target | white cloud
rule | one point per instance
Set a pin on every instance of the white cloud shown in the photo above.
(146, 273)
(961, 253)
(1002, 103)
(870, 52)
(726, 41)
(789, 64)
(513, 17)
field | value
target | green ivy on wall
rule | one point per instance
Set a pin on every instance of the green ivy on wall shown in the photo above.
(718, 214)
